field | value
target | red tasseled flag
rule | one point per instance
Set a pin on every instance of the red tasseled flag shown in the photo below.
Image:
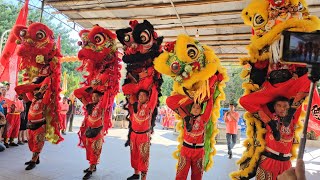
(9, 59)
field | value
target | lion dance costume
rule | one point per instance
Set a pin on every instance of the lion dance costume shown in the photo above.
(272, 143)
(198, 78)
(40, 62)
(141, 46)
(100, 59)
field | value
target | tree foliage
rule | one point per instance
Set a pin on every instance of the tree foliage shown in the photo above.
(73, 77)
(167, 85)
(234, 89)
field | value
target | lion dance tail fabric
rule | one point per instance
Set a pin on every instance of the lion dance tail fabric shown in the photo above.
(266, 156)
(198, 78)
(40, 62)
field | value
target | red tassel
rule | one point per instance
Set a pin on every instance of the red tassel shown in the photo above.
(133, 23)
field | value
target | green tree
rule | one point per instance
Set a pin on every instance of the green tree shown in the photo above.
(234, 89)
(74, 77)
(8, 15)
(167, 85)
(73, 82)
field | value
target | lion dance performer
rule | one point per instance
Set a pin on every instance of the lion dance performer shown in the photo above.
(272, 138)
(40, 61)
(198, 85)
(100, 59)
(141, 87)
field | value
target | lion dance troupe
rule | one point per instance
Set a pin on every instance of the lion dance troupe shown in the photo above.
(198, 78)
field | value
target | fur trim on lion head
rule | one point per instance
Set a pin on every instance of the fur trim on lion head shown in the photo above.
(191, 64)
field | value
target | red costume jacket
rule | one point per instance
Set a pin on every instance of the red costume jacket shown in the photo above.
(196, 135)
(141, 121)
(287, 136)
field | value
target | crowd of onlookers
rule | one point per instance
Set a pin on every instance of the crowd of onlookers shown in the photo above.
(165, 116)
(14, 117)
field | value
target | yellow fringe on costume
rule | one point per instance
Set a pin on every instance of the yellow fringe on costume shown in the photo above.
(196, 84)
(255, 143)
(50, 131)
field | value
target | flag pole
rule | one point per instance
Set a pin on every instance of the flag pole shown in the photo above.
(314, 76)
(42, 9)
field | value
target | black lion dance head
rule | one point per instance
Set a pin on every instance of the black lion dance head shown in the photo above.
(141, 44)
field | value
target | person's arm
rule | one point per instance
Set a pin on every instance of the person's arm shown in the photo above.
(234, 117)
(83, 95)
(46, 97)
(153, 98)
(207, 113)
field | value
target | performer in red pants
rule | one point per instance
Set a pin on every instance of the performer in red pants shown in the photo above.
(192, 151)
(276, 157)
(13, 123)
(141, 112)
(36, 123)
(282, 81)
(91, 132)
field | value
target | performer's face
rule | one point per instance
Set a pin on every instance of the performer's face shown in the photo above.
(196, 109)
(64, 100)
(95, 98)
(143, 97)
(281, 108)
(4, 91)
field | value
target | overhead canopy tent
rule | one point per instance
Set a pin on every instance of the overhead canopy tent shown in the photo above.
(217, 22)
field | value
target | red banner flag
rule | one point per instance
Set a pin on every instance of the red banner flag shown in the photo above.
(9, 58)
(314, 119)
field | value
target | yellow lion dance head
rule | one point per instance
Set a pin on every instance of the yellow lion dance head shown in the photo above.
(190, 64)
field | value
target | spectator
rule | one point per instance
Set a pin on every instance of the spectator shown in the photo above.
(13, 121)
(2, 119)
(71, 111)
(231, 118)
(4, 101)
(63, 112)
(22, 138)
(121, 114)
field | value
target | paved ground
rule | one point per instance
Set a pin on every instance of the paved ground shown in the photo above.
(66, 161)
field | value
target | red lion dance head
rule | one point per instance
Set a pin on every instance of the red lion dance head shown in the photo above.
(37, 45)
(98, 49)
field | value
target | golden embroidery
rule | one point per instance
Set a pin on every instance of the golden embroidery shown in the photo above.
(40, 137)
(139, 119)
(181, 164)
(97, 146)
(144, 151)
(263, 174)
(194, 134)
(200, 163)
(96, 115)
(35, 109)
